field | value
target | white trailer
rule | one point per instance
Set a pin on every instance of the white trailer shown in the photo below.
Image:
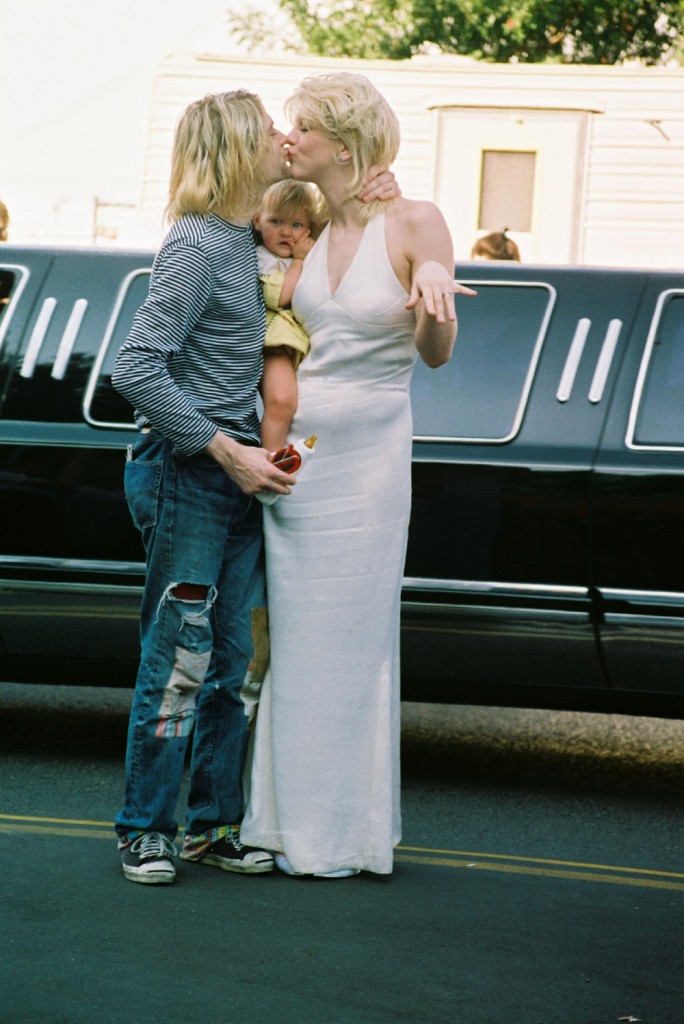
(583, 164)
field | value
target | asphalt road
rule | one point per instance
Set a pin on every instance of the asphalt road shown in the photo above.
(540, 880)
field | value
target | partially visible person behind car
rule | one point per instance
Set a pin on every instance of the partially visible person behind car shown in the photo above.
(4, 222)
(495, 246)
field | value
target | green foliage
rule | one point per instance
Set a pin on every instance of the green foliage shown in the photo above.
(567, 31)
(354, 28)
(259, 32)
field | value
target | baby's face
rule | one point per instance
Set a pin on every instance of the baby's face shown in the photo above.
(281, 230)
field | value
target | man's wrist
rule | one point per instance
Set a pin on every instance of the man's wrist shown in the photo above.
(221, 445)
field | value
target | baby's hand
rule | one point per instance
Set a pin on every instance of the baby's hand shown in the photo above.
(302, 247)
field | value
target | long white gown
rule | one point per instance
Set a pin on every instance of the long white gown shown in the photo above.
(325, 760)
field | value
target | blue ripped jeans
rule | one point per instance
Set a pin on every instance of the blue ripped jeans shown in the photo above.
(198, 528)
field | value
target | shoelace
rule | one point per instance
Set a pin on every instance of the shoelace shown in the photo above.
(152, 846)
(234, 839)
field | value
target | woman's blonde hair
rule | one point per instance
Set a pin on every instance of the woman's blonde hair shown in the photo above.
(347, 107)
(287, 196)
(219, 149)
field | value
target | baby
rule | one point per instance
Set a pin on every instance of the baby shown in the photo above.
(287, 223)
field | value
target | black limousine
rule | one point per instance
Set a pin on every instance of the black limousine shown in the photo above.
(546, 561)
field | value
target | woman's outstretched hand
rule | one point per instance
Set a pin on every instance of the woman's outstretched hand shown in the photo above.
(436, 287)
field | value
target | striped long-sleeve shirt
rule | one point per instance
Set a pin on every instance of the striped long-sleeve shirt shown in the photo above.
(192, 361)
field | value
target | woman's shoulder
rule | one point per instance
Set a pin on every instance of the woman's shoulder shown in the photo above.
(411, 220)
(413, 212)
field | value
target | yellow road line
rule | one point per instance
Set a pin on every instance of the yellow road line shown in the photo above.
(541, 860)
(461, 859)
(661, 882)
(54, 830)
(57, 821)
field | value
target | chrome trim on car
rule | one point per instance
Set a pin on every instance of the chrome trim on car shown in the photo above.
(641, 379)
(605, 360)
(491, 588)
(648, 622)
(659, 597)
(24, 274)
(68, 338)
(573, 360)
(532, 369)
(454, 612)
(488, 588)
(40, 329)
(71, 565)
(91, 386)
(45, 586)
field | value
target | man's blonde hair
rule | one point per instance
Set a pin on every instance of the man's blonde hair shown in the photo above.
(287, 196)
(219, 150)
(347, 107)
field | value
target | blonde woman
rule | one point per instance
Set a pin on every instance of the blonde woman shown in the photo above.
(375, 292)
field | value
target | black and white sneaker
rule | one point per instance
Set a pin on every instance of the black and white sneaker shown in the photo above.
(148, 859)
(229, 854)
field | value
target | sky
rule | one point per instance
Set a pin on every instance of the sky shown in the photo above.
(75, 88)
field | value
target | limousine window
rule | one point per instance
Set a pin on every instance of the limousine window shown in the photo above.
(480, 395)
(657, 419)
(6, 284)
(102, 405)
(61, 314)
(11, 281)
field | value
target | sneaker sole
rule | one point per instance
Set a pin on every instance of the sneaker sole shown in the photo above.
(149, 877)
(238, 866)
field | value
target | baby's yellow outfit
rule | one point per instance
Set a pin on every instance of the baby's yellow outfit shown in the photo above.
(281, 327)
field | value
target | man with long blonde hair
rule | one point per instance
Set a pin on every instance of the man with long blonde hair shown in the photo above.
(190, 367)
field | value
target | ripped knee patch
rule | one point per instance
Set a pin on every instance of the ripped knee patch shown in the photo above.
(199, 598)
(192, 656)
(190, 592)
(177, 711)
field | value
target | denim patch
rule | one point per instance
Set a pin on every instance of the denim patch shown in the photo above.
(177, 711)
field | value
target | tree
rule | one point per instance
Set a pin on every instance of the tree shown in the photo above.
(355, 28)
(566, 31)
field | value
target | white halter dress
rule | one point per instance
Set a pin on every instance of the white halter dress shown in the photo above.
(325, 762)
